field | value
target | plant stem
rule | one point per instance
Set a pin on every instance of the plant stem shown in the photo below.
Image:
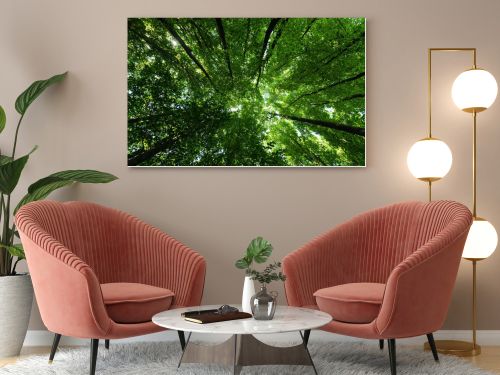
(15, 137)
(13, 271)
(6, 235)
(3, 251)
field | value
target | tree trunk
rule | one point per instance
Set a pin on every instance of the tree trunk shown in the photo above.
(327, 124)
(309, 27)
(170, 28)
(269, 31)
(140, 156)
(330, 86)
(344, 49)
(222, 35)
(164, 54)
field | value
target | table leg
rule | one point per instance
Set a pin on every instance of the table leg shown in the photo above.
(246, 350)
(236, 367)
(223, 353)
(184, 350)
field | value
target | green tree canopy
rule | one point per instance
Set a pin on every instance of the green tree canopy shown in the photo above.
(246, 91)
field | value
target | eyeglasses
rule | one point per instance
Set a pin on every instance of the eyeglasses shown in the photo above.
(226, 309)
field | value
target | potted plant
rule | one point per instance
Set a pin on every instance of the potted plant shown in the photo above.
(258, 251)
(16, 291)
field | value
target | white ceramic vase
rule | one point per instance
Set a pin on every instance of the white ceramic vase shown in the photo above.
(248, 292)
(16, 298)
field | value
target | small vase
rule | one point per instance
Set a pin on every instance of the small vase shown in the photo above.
(264, 304)
(248, 292)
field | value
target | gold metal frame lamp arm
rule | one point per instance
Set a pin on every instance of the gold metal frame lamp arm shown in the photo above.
(455, 347)
(430, 180)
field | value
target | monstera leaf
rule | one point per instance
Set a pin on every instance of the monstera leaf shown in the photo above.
(258, 250)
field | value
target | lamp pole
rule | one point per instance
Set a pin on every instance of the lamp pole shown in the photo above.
(429, 96)
(454, 347)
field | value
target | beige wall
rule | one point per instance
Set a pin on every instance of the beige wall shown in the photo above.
(82, 124)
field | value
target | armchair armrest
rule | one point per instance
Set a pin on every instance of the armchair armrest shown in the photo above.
(419, 289)
(68, 292)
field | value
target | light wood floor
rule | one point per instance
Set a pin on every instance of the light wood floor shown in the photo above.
(488, 360)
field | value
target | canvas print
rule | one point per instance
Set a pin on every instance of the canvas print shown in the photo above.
(246, 92)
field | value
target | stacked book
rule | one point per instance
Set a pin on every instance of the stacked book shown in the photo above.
(213, 316)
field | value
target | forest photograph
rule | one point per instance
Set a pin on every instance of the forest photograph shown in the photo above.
(246, 92)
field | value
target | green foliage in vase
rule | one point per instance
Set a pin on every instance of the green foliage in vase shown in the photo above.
(11, 169)
(269, 274)
(259, 250)
(246, 91)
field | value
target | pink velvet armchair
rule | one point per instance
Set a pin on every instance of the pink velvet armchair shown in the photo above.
(99, 273)
(385, 274)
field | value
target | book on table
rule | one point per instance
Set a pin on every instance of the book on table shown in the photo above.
(213, 316)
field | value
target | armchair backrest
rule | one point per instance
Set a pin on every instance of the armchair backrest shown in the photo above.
(92, 232)
(378, 242)
(386, 236)
(368, 247)
(73, 247)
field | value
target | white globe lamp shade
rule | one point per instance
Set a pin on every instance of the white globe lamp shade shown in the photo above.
(481, 241)
(474, 90)
(429, 159)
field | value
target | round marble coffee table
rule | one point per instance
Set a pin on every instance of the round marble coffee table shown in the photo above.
(242, 348)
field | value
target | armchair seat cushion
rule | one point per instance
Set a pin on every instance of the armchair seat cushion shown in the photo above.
(351, 303)
(135, 303)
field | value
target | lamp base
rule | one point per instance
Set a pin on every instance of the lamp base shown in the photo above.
(456, 348)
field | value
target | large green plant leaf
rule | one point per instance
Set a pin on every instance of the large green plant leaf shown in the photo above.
(31, 93)
(3, 119)
(43, 187)
(259, 250)
(10, 172)
(75, 175)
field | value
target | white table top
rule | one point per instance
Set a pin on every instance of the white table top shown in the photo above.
(286, 319)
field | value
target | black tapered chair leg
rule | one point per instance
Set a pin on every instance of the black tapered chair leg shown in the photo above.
(55, 344)
(392, 355)
(94, 346)
(106, 344)
(432, 344)
(381, 344)
(307, 333)
(182, 339)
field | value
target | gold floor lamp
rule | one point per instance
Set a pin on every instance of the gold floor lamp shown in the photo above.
(430, 159)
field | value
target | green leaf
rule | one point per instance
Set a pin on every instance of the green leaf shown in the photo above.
(10, 172)
(15, 250)
(76, 175)
(5, 159)
(242, 264)
(43, 187)
(3, 119)
(34, 91)
(259, 250)
(42, 193)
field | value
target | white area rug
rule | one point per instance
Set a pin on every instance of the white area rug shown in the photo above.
(161, 358)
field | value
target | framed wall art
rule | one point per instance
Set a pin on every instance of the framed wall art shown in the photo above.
(246, 92)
